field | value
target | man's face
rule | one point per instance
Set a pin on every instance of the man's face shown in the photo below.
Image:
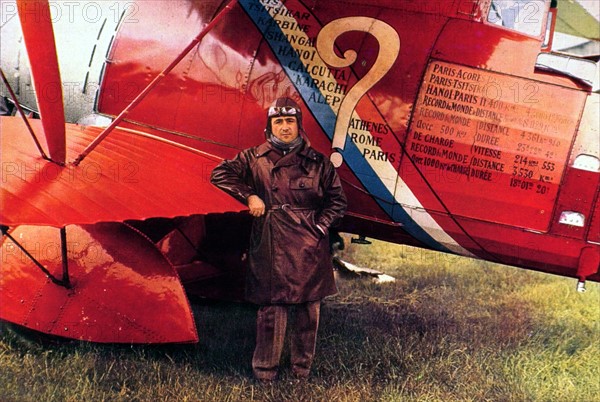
(285, 128)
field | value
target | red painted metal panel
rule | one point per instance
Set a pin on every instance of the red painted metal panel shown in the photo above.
(481, 45)
(216, 99)
(38, 34)
(542, 252)
(123, 290)
(204, 95)
(578, 192)
(494, 147)
(129, 176)
(594, 230)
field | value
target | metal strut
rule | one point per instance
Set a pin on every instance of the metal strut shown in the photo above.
(65, 281)
(23, 115)
(154, 82)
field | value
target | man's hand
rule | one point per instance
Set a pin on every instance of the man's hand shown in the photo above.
(256, 205)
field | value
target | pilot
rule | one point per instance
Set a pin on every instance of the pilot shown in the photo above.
(295, 196)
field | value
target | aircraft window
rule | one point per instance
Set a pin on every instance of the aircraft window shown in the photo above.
(525, 16)
(572, 218)
(588, 163)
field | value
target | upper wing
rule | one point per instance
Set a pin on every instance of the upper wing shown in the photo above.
(131, 175)
(573, 19)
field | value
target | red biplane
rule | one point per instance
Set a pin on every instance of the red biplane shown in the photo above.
(453, 126)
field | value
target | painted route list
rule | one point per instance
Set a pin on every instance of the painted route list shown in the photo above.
(492, 132)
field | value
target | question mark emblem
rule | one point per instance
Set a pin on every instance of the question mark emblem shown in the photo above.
(389, 48)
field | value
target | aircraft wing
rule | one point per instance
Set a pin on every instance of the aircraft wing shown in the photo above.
(574, 19)
(131, 175)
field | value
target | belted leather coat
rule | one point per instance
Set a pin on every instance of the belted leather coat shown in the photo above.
(289, 257)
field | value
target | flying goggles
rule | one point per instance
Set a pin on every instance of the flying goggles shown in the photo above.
(282, 111)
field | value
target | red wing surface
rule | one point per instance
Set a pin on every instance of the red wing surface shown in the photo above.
(129, 176)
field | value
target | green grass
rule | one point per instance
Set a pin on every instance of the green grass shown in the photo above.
(449, 329)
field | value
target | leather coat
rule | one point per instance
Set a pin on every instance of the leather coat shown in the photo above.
(289, 257)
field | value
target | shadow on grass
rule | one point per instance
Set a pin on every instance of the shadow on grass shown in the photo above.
(450, 340)
(357, 334)
(226, 341)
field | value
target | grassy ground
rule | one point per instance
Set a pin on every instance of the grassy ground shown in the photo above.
(449, 329)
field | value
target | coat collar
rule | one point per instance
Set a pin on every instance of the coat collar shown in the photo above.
(301, 157)
(263, 149)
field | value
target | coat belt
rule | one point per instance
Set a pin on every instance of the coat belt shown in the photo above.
(289, 210)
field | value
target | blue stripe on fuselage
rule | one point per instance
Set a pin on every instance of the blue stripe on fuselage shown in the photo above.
(326, 117)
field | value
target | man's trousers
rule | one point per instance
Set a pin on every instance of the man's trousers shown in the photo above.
(271, 323)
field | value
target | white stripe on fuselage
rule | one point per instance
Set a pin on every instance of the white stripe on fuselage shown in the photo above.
(383, 169)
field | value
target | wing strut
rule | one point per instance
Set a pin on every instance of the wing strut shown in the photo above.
(36, 22)
(22, 113)
(65, 281)
(154, 82)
